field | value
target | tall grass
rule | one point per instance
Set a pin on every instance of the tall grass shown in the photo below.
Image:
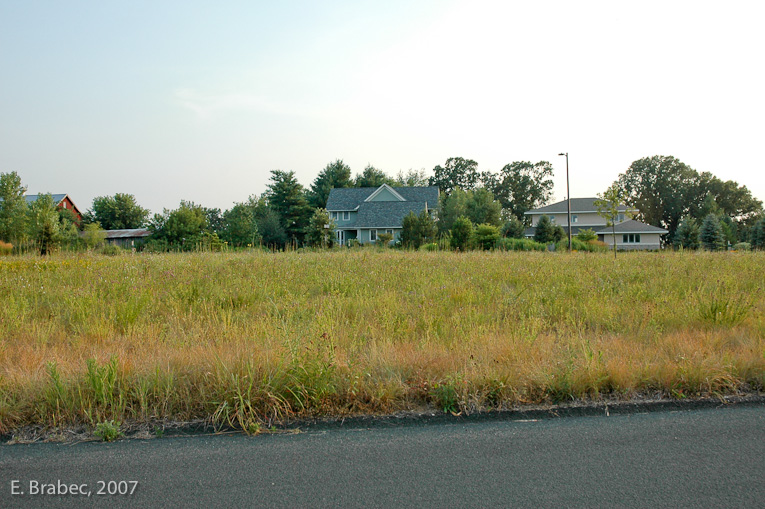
(246, 339)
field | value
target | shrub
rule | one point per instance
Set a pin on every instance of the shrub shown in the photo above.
(109, 249)
(520, 245)
(485, 236)
(5, 248)
(742, 246)
(433, 246)
(586, 235)
(384, 239)
(590, 246)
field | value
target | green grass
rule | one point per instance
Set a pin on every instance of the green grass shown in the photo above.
(253, 339)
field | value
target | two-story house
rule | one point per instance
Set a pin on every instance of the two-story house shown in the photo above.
(628, 233)
(362, 213)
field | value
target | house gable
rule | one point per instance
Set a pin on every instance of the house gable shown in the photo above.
(385, 193)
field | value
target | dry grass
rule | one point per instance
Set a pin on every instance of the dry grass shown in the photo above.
(247, 339)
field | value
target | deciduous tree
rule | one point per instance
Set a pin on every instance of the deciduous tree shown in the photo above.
(521, 186)
(455, 173)
(118, 212)
(13, 208)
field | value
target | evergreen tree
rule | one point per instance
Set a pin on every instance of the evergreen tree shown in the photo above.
(757, 235)
(462, 231)
(417, 230)
(486, 236)
(335, 174)
(545, 231)
(711, 234)
(513, 228)
(687, 234)
(287, 198)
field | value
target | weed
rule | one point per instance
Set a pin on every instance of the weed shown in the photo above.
(108, 431)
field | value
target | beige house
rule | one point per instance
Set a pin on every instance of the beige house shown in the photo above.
(628, 234)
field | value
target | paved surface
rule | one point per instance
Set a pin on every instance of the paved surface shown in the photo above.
(700, 458)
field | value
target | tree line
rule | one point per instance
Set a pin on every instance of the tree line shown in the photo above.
(475, 210)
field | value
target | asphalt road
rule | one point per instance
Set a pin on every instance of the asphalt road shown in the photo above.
(699, 458)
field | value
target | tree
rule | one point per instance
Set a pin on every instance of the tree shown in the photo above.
(118, 212)
(462, 231)
(757, 235)
(478, 205)
(711, 234)
(513, 228)
(456, 172)
(43, 223)
(417, 230)
(482, 208)
(180, 228)
(335, 174)
(485, 236)
(320, 231)
(372, 177)
(665, 190)
(546, 232)
(412, 178)
(608, 205)
(287, 198)
(687, 234)
(94, 235)
(521, 186)
(216, 223)
(240, 227)
(13, 208)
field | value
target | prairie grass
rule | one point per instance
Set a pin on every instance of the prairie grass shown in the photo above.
(251, 339)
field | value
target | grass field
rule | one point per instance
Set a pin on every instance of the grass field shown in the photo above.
(254, 339)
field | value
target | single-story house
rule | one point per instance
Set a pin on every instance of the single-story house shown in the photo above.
(61, 200)
(362, 213)
(628, 234)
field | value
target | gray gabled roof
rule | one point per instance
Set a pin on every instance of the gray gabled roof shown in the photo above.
(57, 198)
(630, 226)
(349, 198)
(578, 205)
(384, 214)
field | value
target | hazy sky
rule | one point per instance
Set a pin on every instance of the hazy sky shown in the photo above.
(200, 100)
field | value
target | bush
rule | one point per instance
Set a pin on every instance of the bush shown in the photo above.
(510, 244)
(590, 246)
(433, 246)
(485, 236)
(742, 246)
(586, 235)
(5, 248)
(384, 239)
(108, 249)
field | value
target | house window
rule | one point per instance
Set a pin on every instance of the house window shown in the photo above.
(346, 216)
(552, 219)
(631, 238)
(574, 218)
(372, 235)
(620, 218)
(390, 232)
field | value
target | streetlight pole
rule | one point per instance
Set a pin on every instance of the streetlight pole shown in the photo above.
(568, 199)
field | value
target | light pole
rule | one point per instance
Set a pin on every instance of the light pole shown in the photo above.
(568, 199)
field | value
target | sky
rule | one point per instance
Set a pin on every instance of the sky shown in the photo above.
(196, 100)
